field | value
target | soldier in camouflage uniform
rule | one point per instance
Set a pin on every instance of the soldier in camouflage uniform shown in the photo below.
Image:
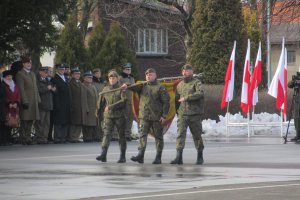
(190, 104)
(153, 109)
(112, 105)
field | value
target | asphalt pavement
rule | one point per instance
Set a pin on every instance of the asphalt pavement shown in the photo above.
(235, 168)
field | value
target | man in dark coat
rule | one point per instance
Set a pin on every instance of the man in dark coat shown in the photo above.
(2, 113)
(61, 110)
(45, 90)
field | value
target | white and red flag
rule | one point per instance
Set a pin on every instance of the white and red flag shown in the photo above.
(278, 86)
(229, 80)
(255, 80)
(246, 81)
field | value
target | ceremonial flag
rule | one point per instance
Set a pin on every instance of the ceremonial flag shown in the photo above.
(171, 89)
(229, 80)
(255, 79)
(246, 81)
(278, 86)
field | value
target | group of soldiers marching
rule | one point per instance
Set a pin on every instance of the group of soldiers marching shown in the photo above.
(154, 106)
(96, 109)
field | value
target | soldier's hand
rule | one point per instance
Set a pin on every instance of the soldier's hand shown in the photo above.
(106, 109)
(124, 86)
(181, 99)
(162, 120)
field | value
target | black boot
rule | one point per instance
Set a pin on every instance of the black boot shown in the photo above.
(102, 157)
(178, 159)
(139, 158)
(157, 159)
(122, 157)
(200, 160)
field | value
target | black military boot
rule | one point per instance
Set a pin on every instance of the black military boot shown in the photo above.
(139, 158)
(102, 157)
(157, 159)
(200, 160)
(122, 157)
(178, 159)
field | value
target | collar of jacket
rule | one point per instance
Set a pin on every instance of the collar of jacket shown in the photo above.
(152, 82)
(124, 75)
(114, 86)
(97, 80)
(188, 79)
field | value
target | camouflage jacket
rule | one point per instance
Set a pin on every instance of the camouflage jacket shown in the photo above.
(193, 94)
(115, 101)
(154, 101)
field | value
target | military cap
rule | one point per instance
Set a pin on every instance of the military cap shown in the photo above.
(187, 67)
(88, 74)
(112, 73)
(150, 70)
(127, 65)
(96, 70)
(7, 73)
(75, 70)
(26, 60)
(43, 68)
(60, 66)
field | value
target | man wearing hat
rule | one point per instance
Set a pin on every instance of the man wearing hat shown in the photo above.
(77, 106)
(61, 111)
(30, 98)
(89, 129)
(45, 91)
(128, 79)
(99, 83)
(190, 108)
(153, 110)
(112, 105)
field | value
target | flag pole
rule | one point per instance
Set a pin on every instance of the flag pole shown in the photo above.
(248, 120)
(281, 122)
(227, 119)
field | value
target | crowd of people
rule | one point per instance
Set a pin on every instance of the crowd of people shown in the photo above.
(66, 106)
(55, 105)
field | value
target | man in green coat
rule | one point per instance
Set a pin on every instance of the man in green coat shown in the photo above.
(112, 105)
(190, 103)
(30, 98)
(153, 109)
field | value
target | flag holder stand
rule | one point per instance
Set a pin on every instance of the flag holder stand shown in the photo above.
(251, 124)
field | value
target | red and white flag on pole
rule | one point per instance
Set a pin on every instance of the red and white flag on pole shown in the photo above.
(246, 81)
(255, 79)
(278, 86)
(229, 80)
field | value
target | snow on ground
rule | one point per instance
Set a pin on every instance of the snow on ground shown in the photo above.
(214, 129)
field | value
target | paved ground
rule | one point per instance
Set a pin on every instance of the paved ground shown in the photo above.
(235, 169)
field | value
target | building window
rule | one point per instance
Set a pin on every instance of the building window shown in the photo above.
(291, 56)
(152, 41)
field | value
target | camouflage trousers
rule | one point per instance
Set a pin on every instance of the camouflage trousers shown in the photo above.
(144, 129)
(108, 127)
(194, 122)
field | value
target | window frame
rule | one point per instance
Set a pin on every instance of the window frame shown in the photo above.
(154, 45)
